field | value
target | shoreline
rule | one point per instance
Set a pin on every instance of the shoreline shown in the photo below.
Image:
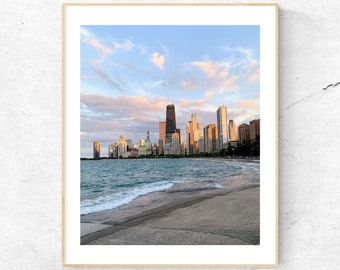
(108, 226)
(178, 157)
(183, 187)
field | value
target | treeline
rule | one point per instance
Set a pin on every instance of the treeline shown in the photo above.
(246, 149)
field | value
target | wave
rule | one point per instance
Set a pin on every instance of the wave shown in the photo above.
(115, 200)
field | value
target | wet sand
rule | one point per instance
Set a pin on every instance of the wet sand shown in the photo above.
(182, 216)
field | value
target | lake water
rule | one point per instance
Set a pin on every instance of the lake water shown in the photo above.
(109, 183)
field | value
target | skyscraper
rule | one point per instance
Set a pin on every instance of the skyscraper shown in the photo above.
(232, 130)
(254, 129)
(243, 133)
(112, 150)
(170, 122)
(193, 134)
(96, 150)
(162, 130)
(122, 146)
(222, 127)
(210, 138)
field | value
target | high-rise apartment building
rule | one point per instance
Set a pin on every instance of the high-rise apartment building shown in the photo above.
(222, 127)
(254, 129)
(244, 133)
(122, 147)
(162, 130)
(96, 150)
(129, 145)
(210, 138)
(170, 122)
(112, 150)
(160, 147)
(201, 146)
(232, 131)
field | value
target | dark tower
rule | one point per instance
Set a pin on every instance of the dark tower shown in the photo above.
(170, 122)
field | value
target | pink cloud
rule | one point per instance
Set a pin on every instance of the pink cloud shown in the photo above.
(208, 93)
(187, 84)
(158, 60)
(98, 46)
(191, 103)
(125, 107)
(209, 68)
(254, 75)
(125, 46)
(248, 104)
(218, 74)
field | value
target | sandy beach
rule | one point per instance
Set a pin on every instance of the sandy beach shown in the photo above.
(182, 216)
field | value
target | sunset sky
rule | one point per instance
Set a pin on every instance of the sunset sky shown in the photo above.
(130, 73)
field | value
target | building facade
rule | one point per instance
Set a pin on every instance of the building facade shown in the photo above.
(160, 147)
(210, 138)
(162, 130)
(232, 131)
(222, 127)
(96, 150)
(193, 134)
(201, 146)
(254, 129)
(170, 124)
(122, 149)
(112, 151)
(244, 133)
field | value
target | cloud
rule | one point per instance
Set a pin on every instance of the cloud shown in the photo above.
(85, 33)
(208, 93)
(250, 67)
(156, 84)
(142, 48)
(104, 50)
(245, 117)
(245, 55)
(89, 38)
(191, 103)
(253, 75)
(188, 84)
(248, 104)
(209, 68)
(124, 107)
(218, 75)
(104, 76)
(158, 60)
(126, 46)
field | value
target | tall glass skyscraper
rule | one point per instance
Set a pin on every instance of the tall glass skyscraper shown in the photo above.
(170, 122)
(222, 127)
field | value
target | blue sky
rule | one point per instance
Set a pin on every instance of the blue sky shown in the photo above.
(130, 73)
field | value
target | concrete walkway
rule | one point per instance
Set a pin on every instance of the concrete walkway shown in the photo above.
(231, 218)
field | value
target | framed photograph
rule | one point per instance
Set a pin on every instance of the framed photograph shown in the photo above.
(170, 135)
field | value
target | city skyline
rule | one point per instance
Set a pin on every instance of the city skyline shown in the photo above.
(129, 74)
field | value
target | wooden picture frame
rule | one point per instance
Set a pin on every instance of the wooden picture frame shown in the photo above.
(265, 17)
